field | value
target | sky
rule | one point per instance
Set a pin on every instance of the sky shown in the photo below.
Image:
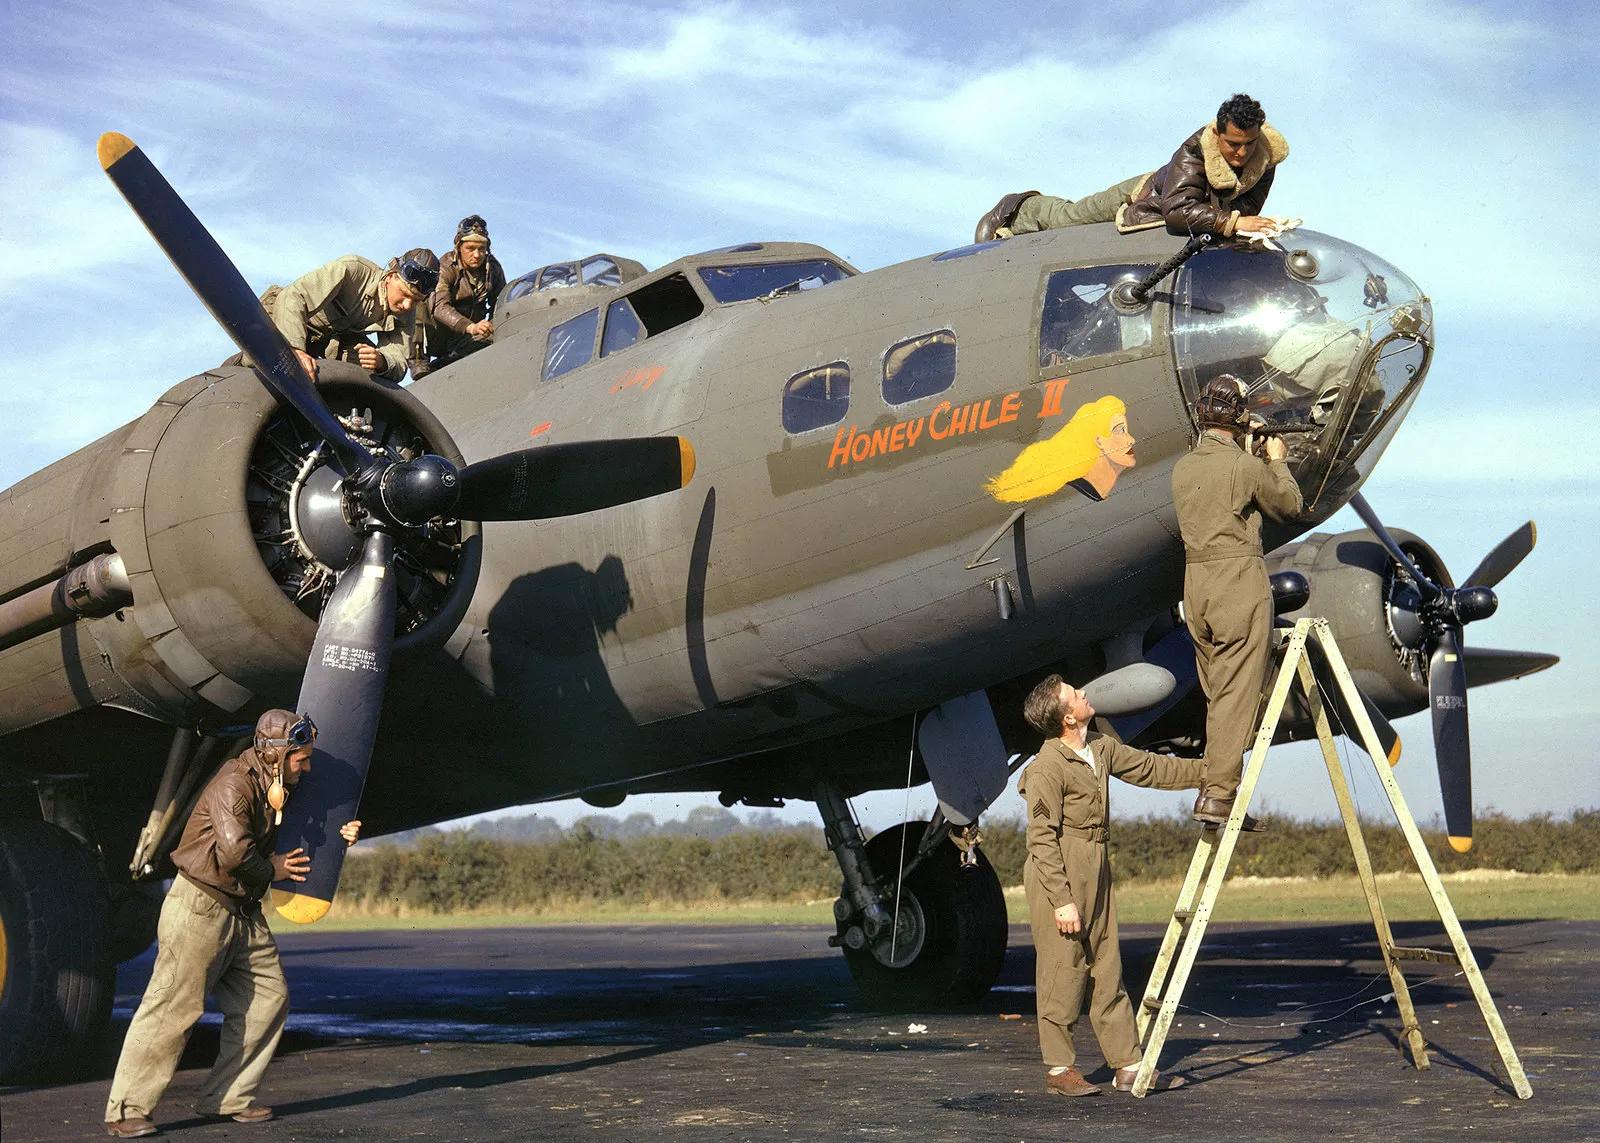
(1448, 138)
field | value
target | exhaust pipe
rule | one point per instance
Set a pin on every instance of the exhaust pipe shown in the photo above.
(88, 591)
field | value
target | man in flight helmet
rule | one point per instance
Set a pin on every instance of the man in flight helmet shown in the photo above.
(340, 309)
(462, 304)
(212, 935)
(1221, 490)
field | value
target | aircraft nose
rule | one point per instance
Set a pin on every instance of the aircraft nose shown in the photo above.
(1329, 338)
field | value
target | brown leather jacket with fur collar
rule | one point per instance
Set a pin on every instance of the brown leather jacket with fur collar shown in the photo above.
(227, 844)
(1197, 191)
(462, 297)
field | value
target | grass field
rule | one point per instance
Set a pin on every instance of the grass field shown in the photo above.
(1477, 895)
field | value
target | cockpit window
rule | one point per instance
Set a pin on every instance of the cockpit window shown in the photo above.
(816, 397)
(600, 272)
(559, 276)
(919, 367)
(1080, 321)
(1324, 334)
(623, 327)
(570, 344)
(768, 279)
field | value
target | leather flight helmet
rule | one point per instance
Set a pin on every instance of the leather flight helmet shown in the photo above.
(1222, 403)
(472, 227)
(419, 269)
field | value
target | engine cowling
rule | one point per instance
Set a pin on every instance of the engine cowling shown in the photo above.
(228, 522)
(1371, 607)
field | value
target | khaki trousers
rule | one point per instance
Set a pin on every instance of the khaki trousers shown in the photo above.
(1067, 969)
(1227, 604)
(203, 948)
(1046, 212)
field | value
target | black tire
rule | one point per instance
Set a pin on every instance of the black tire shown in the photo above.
(56, 973)
(965, 914)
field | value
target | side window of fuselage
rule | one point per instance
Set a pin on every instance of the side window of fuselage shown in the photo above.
(570, 344)
(919, 367)
(1079, 319)
(816, 397)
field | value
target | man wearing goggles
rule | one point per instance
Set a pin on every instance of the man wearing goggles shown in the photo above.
(470, 278)
(340, 309)
(212, 936)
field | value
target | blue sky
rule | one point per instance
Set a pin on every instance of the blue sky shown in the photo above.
(1448, 138)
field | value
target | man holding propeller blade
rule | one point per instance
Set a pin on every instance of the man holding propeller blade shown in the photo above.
(213, 937)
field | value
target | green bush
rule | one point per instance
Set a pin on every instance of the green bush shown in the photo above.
(457, 872)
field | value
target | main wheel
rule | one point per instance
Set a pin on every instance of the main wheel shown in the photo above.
(56, 973)
(950, 938)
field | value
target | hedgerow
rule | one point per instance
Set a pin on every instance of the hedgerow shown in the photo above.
(457, 871)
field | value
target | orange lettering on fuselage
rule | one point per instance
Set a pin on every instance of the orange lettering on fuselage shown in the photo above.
(640, 379)
(854, 445)
(1051, 405)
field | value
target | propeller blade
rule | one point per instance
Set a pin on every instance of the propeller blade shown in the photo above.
(343, 693)
(1486, 665)
(1388, 737)
(566, 479)
(1505, 557)
(1447, 698)
(1375, 525)
(218, 283)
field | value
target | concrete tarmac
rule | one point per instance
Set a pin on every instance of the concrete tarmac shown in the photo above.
(719, 1033)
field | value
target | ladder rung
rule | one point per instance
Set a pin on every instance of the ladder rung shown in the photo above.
(1153, 1003)
(1182, 915)
(1437, 956)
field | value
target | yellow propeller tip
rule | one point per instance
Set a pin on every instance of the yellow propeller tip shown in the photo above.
(685, 460)
(1460, 844)
(1394, 754)
(112, 147)
(298, 907)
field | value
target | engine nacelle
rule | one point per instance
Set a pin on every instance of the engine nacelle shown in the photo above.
(1358, 589)
(214, 500)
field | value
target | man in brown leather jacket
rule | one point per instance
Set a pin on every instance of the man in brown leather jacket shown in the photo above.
(1067, 877)
(1217, 181)
(213, 938)
(1221, 490)
(470, 279)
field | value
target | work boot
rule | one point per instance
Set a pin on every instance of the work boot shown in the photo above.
(253, 1114)
(1123, 1080)
(1069, 1082)
(136, 1128)
(1216, 811)
(1001, 217)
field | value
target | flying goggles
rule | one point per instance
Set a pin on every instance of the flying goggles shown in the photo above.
(419, 277)
(303, 732)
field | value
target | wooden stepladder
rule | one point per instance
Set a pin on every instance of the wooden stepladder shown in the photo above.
(1209, 868)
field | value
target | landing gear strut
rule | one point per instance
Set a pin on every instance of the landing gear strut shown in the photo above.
(939, 938)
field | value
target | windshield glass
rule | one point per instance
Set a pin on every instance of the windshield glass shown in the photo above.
(1324, 334)
(740, 283)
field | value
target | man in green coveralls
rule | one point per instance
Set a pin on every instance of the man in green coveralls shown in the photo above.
(1221, 490)
(1071, 907)
(214, 939)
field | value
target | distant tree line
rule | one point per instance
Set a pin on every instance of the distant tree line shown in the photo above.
(702, 821)
(603, 860)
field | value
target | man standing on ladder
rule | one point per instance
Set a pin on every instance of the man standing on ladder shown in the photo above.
(1221, 490)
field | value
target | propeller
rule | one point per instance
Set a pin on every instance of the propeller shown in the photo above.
(1428, 618)
(385, 498)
